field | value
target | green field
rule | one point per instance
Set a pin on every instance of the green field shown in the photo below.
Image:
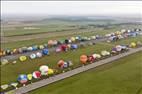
(55, 35)
(120, 77)
(10, 72)
(8, 76)
(29, 66)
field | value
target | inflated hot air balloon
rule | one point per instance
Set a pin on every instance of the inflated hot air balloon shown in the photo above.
(96, 55)
(29, 76)
(35, 47)
(74, 46)
(55, 42)
(70, 63)
(58, 49)
(22, 58)
(5, 86)
(1, 53)
(114, 51)
(22, 78)
(4, 61)
(118, 48)
(133, 45)
(65, 65)
(66, 41)
(93, 37)
(41, 47)
(38, 54)
(33, 56)
(91, 59)
(105, 53)
(64, 47)
(50, 42)
(73, 39)
(8, 52)
(50, 71)
(61, 63)
(15, 51)
(44, 69)
(36, 74)
(14, 62)
(14, 84)
(24, 49)
(83, 59)
(30, 48)
(45, 52)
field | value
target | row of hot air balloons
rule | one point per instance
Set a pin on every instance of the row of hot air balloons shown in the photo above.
(51, 43)
(84, 59)
(44, 70)
(35, 55)
(65, 48)
(123, 34)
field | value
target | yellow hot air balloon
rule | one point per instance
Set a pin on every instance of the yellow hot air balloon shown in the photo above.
(50, 71)
(133, 44)
(73, 39)
(22, 58)
(29, 76)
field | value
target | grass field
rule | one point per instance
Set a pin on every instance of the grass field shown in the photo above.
(29, 66)
(120, 77)
(64, 35)
(8, 76)
(20, 41)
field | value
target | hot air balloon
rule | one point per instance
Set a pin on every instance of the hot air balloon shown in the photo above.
(50, 71)
(83, 59)
(22, 58)
(30, 48)
(118, 48)
(65, 65)
(35, 47)
(38, 54)
(36, 74)
(63, 47)
(58, 49)
(45, 52)
(61, 63)
(69, 63)
(44, 69)
(73, 39)
(133, 45)
(105, 53)
(5, 86)
(4, 61)
(91, 59)
(96, 55)
(33, 56)
(29, 76)
(74, 46)
(50, 42)
(14, 84)
(41, 47)
(22, 78)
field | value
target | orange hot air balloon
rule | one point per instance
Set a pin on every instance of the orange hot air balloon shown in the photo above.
(83, 59)
(61, 63)
(50, 42)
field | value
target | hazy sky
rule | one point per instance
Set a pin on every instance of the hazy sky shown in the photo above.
(71, 7)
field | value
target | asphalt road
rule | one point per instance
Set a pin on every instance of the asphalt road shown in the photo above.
(39, 84)
(15, 56)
